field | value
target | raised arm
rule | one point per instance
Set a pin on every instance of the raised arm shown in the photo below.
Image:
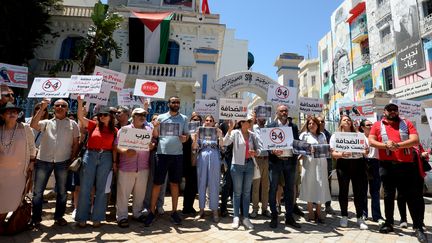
(36, 118)
(80, 113)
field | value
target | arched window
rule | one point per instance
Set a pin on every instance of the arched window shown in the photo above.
(173, 53)
(68, 47)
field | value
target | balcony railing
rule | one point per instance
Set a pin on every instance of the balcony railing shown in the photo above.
(65, 70)
(358, 30)
(194, 17)
(74, 11)
(426, 25)
(361, 60)
(158, 70)
(383, 10)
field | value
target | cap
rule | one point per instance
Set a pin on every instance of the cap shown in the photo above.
(9, 106)
(390, 105)
(104, 110)
(138, 111)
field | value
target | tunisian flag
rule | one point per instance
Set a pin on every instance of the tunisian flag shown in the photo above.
(205, 7)
(148, 37)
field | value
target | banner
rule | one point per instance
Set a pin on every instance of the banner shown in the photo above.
(409, 49)
(321, 150)
(277, 138)
(232, 109)
(409, 109)
(311, 106)
(208, 134)
(50, 88)
(301, 147)
(350, 142)
(357, 110)
(114, 79)
(207, 107)
(169, 129)
(13, 76)
(282, 95)
(125, 97)
(85, 84)
(133, 138)
(263, 111)
(148, 88)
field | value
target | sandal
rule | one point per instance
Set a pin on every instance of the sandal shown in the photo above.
(123, 223)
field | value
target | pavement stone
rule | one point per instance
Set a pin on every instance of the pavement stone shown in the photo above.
(206, 231)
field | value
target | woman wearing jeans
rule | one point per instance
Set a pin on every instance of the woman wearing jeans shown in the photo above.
(97, 164)
(242, 169)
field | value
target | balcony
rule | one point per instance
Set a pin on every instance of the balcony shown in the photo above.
(65, 71)
(196, 17)
(362, 66)
(74, 11)
(382, 10)
(361, 60)
(162, 72)
(426, 26)
(359, 33)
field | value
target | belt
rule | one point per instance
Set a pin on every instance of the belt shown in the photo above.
(100, 150)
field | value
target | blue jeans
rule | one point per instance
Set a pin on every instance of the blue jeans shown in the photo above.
(43, 171)
(374, 189)
(287, 168)
(94, 171)
(242, 176)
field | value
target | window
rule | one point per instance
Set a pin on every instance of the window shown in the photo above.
(427, 7)
(68, 47)
(388, 78)
(324, 55)
(326, 98)
(385, 34)
(290, 83)
(313, 79)
(173, 53)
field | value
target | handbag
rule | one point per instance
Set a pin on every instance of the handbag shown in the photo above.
(257, 174)
(76, 164)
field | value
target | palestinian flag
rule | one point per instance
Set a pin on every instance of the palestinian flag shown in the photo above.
(148, 37)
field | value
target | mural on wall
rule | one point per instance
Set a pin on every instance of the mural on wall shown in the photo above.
(409, 55)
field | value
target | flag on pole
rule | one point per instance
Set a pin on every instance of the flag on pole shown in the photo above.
(205, 7)
(148, 37)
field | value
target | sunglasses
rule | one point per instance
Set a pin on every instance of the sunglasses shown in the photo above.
(209, 120)
(195, 119)
(368, 125)
(103, 114)
(175, 102)
(62, 106)
(322, 122)
(10, 95)
(393, 109)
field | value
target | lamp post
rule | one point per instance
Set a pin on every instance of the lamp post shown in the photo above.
(197, 86)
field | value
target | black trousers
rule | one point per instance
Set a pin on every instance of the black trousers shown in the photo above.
(191, 188)
(352, 170)
(405, 178)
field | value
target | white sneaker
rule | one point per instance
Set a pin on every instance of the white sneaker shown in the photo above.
(235, 223)
(362, 224)
(254, 214)
(145, 212)
(160, 210)
(247, 224)
(403, 224)
(344, 221)
(73, 214)
(381, 221)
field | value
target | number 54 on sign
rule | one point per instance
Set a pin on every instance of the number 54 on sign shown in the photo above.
(277, 138)
(282, 95)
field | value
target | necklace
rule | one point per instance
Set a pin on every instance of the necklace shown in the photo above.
(9, 144)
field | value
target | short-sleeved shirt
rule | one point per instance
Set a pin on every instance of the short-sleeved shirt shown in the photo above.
(138, 162)
(100, 139)
(171, 144)
(393, 134)
(57, 139)
(257, 131)
(354, 155)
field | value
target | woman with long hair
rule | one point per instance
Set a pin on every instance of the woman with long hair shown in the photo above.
(350, 167)
(97, 164)
(208, 165)
(314, 184)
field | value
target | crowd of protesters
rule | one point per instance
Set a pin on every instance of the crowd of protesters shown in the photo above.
(46, 144)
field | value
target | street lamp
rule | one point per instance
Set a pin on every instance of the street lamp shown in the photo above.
(197, 86)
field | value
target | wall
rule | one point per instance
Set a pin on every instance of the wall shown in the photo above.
(234, 54)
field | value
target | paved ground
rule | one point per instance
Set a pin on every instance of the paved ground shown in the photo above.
(206, 231)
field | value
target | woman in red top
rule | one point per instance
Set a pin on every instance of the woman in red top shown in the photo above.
(97, 164)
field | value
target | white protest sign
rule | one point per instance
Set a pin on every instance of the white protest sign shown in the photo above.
(277, 138)
(350, 142)
(50, 88)
(311, 106)
(169, 129)
(85, 84)
(133, 138)
(13, 76)
(206, 107)
(125, 97)
(263, 111)
(232, 109)
(115, 79)
(428, 112)
(282, 95)
(149, 88)
(408, 108)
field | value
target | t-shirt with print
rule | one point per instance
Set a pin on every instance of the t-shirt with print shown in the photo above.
(171, 144)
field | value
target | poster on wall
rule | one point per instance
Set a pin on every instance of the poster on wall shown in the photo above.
(13, 76)
(409, 47)
(357, 110)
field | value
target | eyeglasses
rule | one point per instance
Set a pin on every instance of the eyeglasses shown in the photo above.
(62, 106)
(9, 95)
(209, 120)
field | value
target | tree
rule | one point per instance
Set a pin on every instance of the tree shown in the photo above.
(98, 43)
(24, 24)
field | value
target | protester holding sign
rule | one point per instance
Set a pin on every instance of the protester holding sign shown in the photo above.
(350, 166)
(133, 172)
(207, 144)
(314, 184)
(97, 164)
(245, 148)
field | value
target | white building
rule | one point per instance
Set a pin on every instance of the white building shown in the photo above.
(309, 78)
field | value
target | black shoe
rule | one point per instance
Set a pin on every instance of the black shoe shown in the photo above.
(176, 218)
(149, 220)
(421, 237)
(291, 221)
(224, 212)
(274, 222)
(60, 222)
(141, 218)
(33, 225)
(386, 228)
(298, 211)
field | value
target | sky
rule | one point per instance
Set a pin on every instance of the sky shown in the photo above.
(273, 27)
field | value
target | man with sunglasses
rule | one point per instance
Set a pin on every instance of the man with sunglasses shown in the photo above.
(58, 146)
(395, 138)
(7, 95)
